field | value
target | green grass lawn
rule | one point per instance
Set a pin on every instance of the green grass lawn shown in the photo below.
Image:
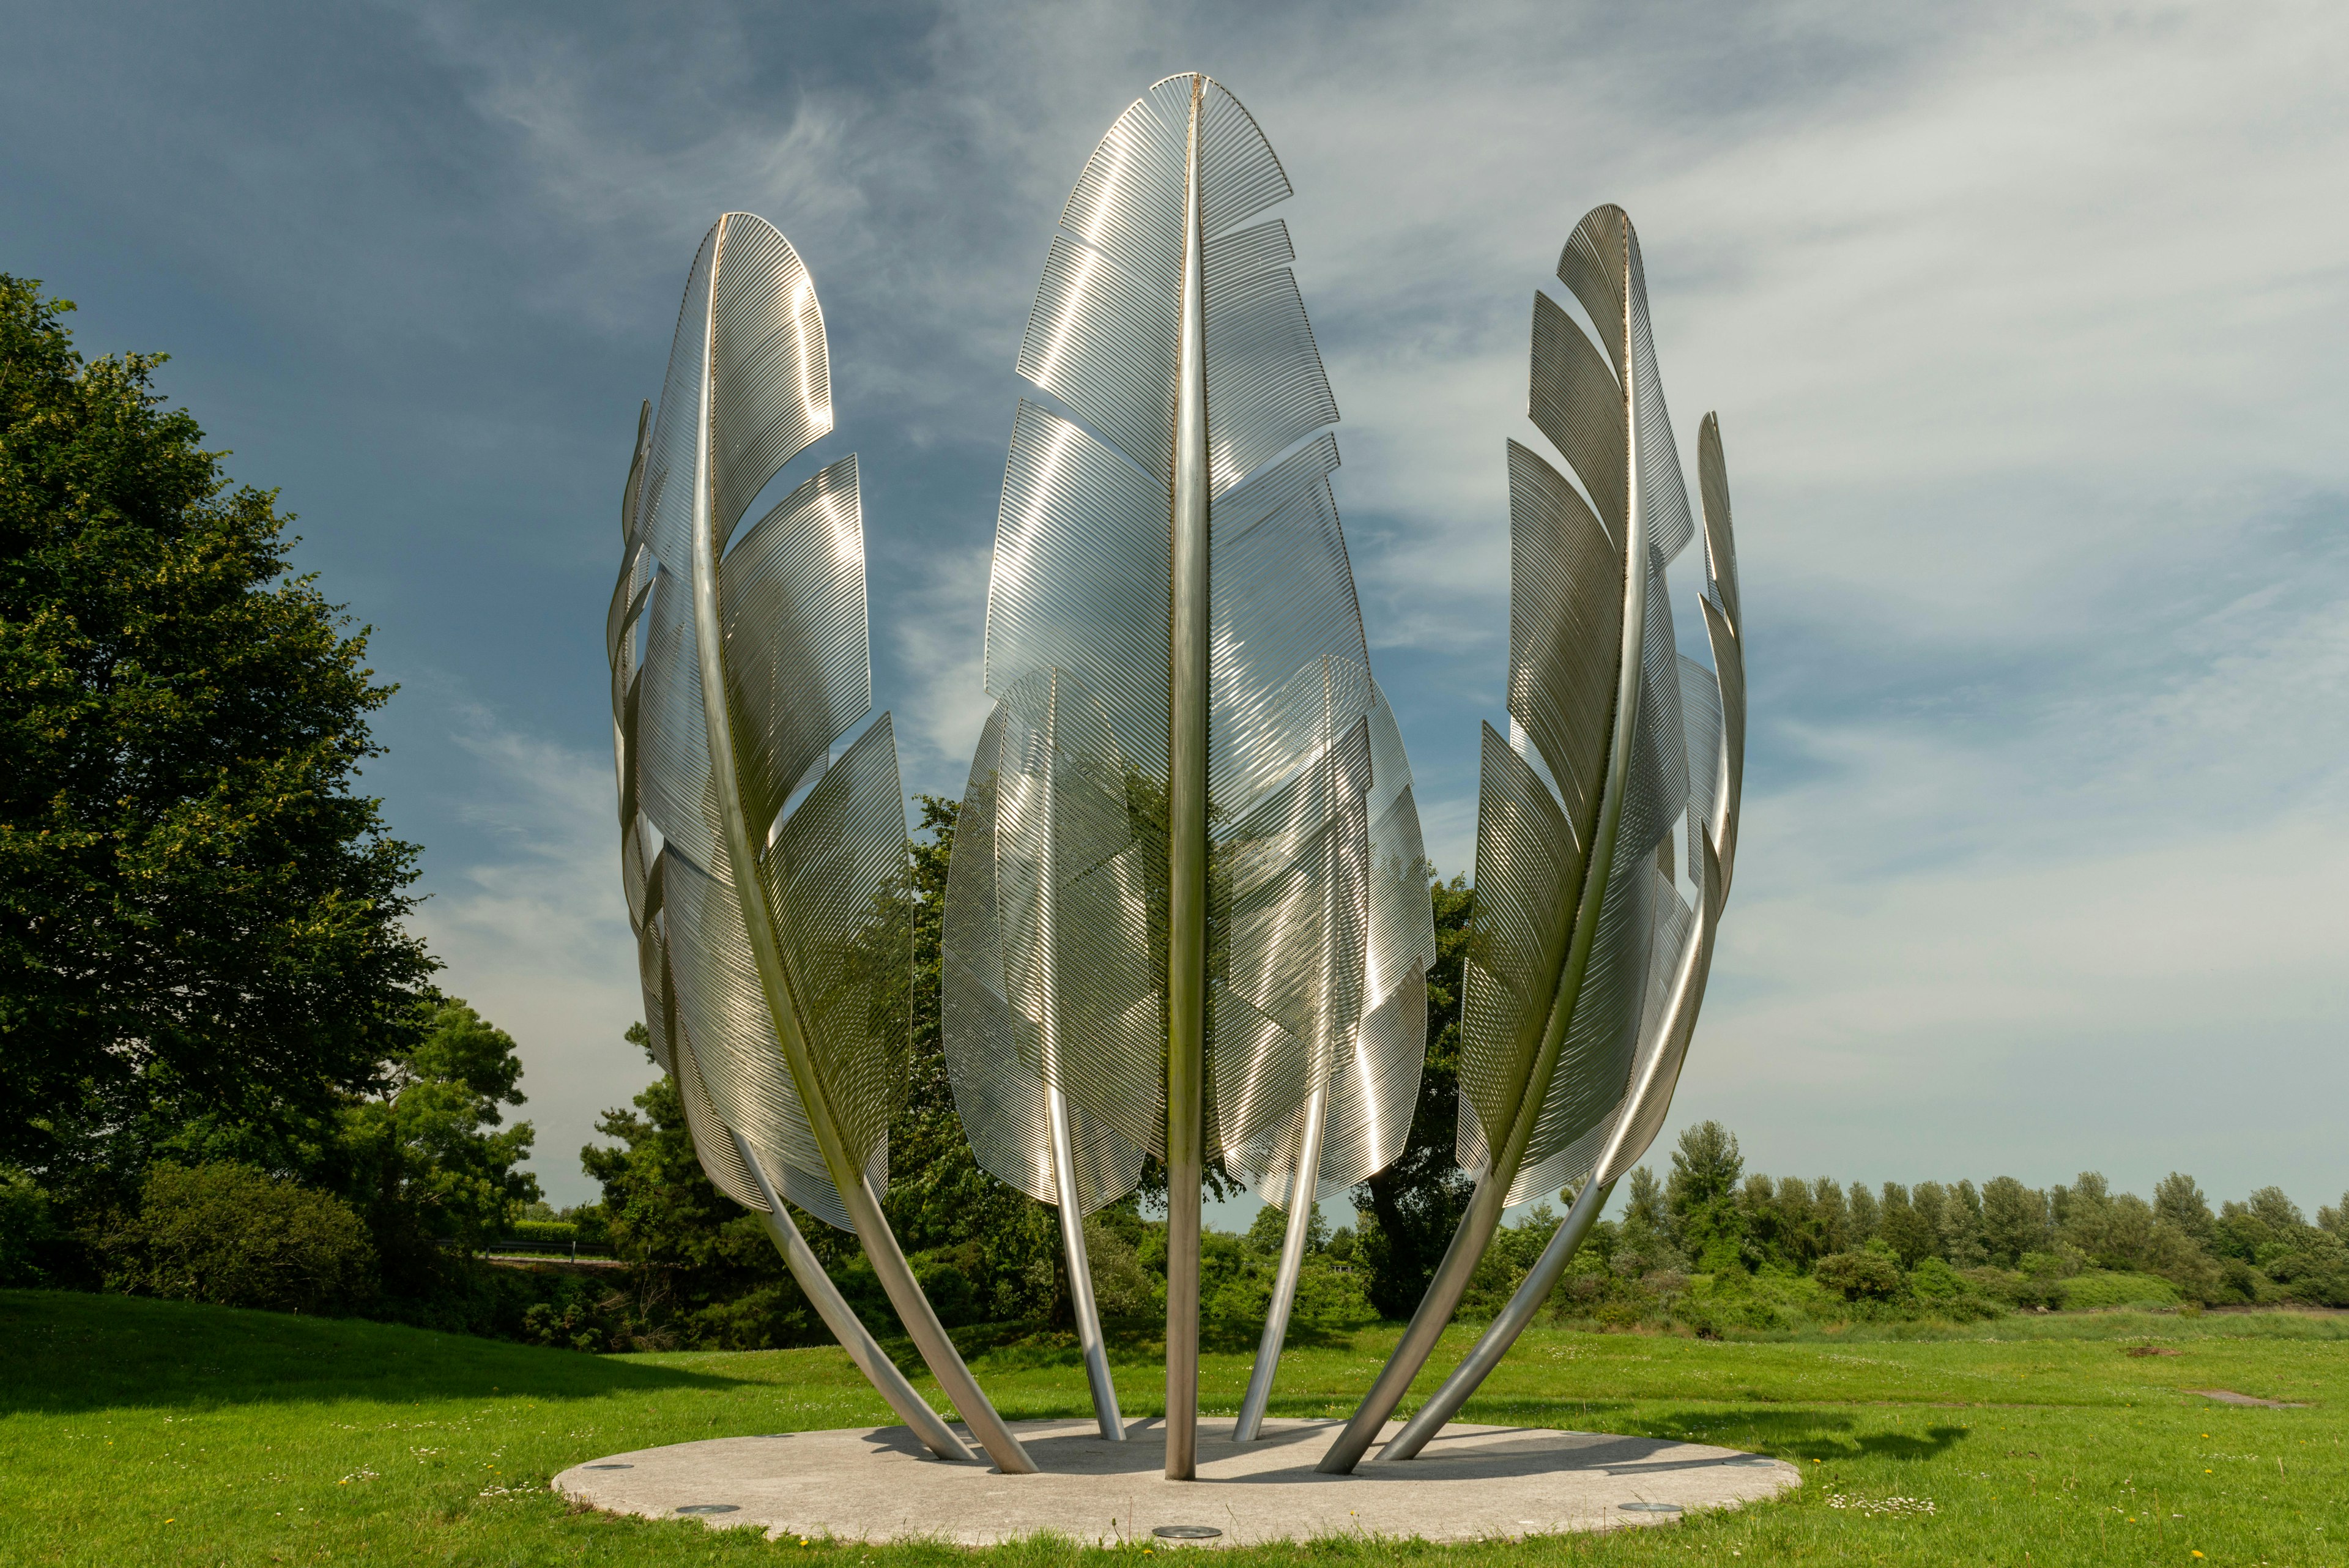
(142, 1432)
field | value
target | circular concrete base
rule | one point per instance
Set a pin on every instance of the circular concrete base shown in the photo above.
(877, 1484)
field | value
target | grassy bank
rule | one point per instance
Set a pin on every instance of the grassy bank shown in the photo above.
(137, 1432)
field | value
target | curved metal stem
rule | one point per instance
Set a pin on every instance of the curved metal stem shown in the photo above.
(845, 1326)
(1081, 1276)
(1063, 1152)
(1302, 1192)
(1426, 1326)
(1503, 1331)
(847, 1173)
(1187, 842)
(1652, 1086)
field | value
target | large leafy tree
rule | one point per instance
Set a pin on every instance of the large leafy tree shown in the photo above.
(429, 1161)
(198, 912)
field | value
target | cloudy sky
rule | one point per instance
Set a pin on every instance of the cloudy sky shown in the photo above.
(2028, 328)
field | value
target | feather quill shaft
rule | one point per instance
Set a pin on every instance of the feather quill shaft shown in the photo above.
(1186, 838)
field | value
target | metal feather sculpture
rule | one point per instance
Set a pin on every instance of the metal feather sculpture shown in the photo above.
(766, 874)
(1186, 916)
(1588, 966)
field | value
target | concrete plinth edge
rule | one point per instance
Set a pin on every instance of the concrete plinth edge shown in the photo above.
(876, 1483)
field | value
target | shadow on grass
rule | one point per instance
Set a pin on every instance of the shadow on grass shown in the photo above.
(1784, 1432)
(1804, 1434)
(68, 1351)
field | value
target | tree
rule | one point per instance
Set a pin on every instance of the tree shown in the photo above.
(1961, 1227)
(1409, 1210)
(1910, 1234)
(1832, 1216)
(1706, 1167)
(1861, 1228)
(1646, 1240)
(701, 1269)
(197, 913)
(1932, 1201)
(2015, 1221)
(2273, 1208)
(421, 1163)
(1773, 1221)
(1703, 1196)
(2177, 1199)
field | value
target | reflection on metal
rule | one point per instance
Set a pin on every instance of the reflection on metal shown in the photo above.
(1188, 900)
(841, 1319)
(765, 874)
(1186, 837)
(1292, 1263)
(1588, 969)
(1354, 1124)
(1080, 1277)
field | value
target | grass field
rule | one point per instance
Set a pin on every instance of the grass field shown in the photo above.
(137, 1432)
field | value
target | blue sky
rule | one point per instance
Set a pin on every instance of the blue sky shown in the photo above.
(2025, 325)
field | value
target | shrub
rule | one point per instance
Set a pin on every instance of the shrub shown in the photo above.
(1732, 1299)
(2042, 1283)
(1122, 1286)
(234, 1236)
(2315, 1270)
(1945, 1293)
(1332, 1301)
(2114, 1288)
(1868, 1276)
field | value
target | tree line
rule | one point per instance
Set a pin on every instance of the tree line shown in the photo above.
(226, 1072)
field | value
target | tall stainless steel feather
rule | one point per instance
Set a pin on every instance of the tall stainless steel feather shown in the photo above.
(772, 925)
(1172, 921)
(1588, 966)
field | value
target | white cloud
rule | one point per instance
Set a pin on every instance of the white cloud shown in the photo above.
(939, 624)
(535, 934)
(2026, 326)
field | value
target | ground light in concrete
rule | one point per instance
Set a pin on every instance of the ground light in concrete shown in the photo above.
(880, 1483)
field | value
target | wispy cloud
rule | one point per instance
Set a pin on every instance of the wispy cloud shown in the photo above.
(535, 932)
(2026, 326)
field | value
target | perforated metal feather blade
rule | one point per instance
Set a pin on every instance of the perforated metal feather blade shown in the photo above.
(1725, 626)
(1582, 926)
(1712, 709)
(1588, 965)
(1058, 904)
(1372, 1089)
(773, 923)
(748, 388)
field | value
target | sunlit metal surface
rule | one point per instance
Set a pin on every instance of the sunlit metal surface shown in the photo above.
(807, 1269)
(1589, 968)
(1187, 891)
(774, 934)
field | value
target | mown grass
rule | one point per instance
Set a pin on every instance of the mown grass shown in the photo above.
(140, 1432)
